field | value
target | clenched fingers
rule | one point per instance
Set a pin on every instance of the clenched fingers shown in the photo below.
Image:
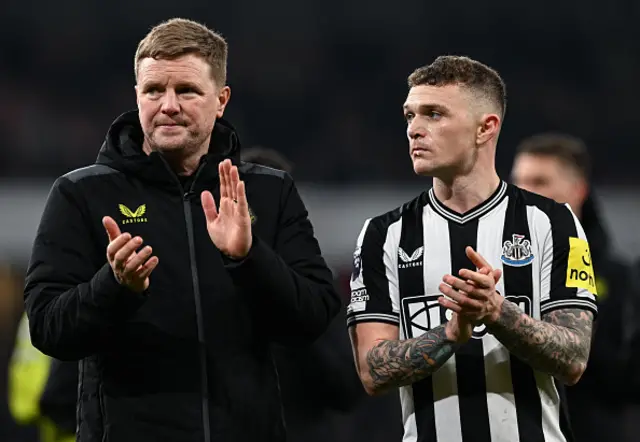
(123, 255)
(478, 279)
(137, 260)
(497, 274)
(459, 284)
(115, 245)
(449, 305)
(144, 271)
(476, 258)
(460, 298)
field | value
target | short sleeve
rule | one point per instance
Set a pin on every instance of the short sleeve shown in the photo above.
(374, 280)
(567, 275)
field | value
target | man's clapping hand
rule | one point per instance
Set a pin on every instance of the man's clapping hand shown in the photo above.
(229, 226)
(130, 268)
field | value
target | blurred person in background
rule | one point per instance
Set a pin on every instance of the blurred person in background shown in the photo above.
(317, 382)
(28, 373)
(558, 166)
(174, 316)
(469, 298)
(11, 427)
(42, 391)
(60, 396)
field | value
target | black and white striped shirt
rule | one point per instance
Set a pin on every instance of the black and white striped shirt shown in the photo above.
(482, 393)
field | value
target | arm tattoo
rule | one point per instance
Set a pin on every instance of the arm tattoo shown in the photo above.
(558, 345)
(397, 363)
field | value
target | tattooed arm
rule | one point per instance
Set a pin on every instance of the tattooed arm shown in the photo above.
(558, 345)
(384, 362)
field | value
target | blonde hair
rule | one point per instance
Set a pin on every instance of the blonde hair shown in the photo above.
(179, 36)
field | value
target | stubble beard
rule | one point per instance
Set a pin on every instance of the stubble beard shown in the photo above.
(181, 155)
(188, 145)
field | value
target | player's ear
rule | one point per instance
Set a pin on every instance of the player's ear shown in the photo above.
(488, 128)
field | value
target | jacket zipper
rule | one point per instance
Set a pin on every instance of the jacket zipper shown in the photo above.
(199, 317)
(204, 378)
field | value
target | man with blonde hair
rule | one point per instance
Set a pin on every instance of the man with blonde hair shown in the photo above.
(170, 266)
(476, 298)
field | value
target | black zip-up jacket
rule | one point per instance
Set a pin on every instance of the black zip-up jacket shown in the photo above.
(189, 360)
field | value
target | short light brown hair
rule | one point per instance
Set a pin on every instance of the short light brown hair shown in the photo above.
(466, 72)
(571, 151)
(179, 36)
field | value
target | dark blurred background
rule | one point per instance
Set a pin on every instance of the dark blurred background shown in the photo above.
(323, 83)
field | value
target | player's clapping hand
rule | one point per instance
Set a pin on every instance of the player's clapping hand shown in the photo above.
(131, 268)
(473, 295)
(459, 329)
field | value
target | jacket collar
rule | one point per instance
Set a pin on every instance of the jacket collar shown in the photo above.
(122, 150)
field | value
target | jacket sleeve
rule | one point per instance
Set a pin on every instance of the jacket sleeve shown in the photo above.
(323, 375)
(291, 286)
(72, 298)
